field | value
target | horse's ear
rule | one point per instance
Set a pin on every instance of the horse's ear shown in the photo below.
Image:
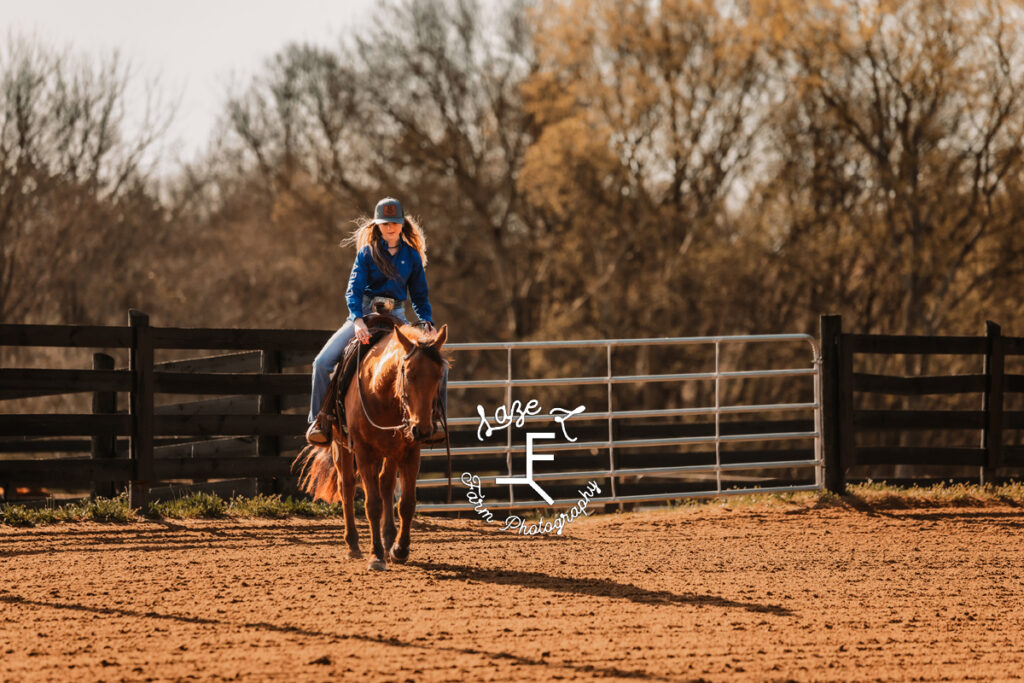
(442, 336)
(404, 341)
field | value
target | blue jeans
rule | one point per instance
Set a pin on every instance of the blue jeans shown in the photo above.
(330, 355)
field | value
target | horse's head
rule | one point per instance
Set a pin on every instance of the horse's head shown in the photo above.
(419, 378)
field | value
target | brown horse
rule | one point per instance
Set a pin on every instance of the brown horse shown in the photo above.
(388, 411)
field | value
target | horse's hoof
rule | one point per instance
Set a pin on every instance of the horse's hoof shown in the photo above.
(377, 566)
(399, 555)
(355, 553)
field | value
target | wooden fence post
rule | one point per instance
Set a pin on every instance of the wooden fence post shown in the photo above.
(992, 402)
(269, 404)
(141, 364)
(844, 388)
(831, 329)
(103, 446)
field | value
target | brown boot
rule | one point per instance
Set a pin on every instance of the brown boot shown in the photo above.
(319, 432)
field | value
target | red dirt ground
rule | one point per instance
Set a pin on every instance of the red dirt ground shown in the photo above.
(762, 593)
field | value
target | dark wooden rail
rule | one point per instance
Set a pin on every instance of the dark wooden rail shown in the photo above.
(243, 434)
(842, 421)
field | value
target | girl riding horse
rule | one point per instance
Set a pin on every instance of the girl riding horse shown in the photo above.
(388, 408)
(391, 258)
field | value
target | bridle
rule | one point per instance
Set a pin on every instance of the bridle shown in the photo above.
(404, 425)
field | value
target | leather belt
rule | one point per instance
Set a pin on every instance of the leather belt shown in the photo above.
(387, 303)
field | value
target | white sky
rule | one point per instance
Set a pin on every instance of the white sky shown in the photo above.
(196, 47)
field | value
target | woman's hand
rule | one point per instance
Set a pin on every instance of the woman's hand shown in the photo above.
(362, 333)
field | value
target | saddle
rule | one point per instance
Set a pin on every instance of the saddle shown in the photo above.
(332, 410)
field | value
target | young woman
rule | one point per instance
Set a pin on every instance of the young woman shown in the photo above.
(391, 253)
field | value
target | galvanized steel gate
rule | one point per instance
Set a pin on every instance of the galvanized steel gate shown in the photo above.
(610, 413)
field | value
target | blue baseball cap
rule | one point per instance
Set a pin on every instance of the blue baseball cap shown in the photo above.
(389, 210)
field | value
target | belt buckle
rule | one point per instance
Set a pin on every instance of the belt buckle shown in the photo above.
(382, 304)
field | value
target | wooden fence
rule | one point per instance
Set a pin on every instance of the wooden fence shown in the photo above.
(163, 444)
(843, 422)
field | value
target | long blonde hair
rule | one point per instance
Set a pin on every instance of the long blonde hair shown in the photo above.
(367, 233)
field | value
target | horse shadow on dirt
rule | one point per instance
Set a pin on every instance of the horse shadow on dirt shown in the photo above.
(603, 588)
(391, 641)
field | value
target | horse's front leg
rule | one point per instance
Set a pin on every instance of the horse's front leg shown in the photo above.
(409, 470)
(387, 495)
(344, 462)
(369, 468)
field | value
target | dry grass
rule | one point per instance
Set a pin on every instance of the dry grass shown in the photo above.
(872, 495)
(195, 506)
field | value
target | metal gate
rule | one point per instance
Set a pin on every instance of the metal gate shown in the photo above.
(515, 453)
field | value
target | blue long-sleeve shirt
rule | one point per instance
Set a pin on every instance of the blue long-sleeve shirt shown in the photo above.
(367, 279)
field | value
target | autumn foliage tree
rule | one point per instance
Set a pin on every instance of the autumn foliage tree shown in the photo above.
(897, 158)
(647, 115)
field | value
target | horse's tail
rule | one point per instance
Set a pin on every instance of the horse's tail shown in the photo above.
(317, 474)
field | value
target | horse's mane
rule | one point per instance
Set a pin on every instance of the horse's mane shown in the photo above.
(415, 333)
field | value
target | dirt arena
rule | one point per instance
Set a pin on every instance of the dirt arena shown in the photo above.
(757, 593)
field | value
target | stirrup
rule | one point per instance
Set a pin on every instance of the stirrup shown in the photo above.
(319, 432)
